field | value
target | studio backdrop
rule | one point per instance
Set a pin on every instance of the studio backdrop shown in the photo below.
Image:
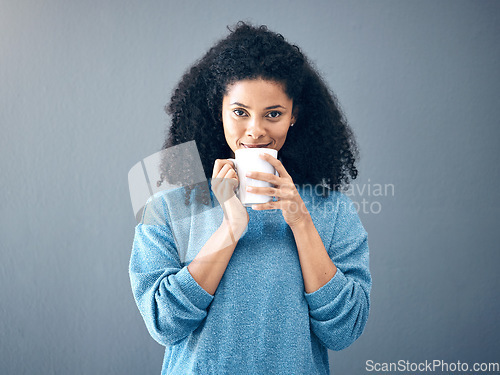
(83, 87)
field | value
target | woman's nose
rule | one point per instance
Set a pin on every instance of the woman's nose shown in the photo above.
(255, 128)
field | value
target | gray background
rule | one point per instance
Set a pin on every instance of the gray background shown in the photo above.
(82, 90)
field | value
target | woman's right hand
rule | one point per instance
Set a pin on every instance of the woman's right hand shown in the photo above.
(224, 183)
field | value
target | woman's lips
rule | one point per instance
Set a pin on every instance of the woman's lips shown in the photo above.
(252, 145)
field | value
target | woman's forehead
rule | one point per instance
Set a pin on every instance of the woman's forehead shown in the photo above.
(256, 90)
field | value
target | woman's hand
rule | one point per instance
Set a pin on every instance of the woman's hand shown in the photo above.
(224, 183)
(289, 200)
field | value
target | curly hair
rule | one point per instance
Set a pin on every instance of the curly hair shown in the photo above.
(320, 149)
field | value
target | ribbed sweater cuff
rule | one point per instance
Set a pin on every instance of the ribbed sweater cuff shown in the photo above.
(198, 296)
(327, 292)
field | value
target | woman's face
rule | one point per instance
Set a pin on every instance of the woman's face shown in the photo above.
(256, 113)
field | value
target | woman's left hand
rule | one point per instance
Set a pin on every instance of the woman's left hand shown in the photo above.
(289, 200)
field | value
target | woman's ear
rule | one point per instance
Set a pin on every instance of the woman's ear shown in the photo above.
(295, 113)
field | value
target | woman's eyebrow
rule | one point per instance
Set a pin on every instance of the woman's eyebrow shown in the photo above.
(240, 105)
(245, 106)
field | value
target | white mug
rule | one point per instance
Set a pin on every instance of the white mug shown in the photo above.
(248, 160)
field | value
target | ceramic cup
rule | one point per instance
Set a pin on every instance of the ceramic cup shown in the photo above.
(248, 160)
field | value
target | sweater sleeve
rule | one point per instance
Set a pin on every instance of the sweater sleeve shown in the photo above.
(339, 309)
(170, 301)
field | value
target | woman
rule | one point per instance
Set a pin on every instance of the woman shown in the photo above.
(270, 287)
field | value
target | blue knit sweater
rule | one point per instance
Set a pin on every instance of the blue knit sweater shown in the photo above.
(260, 320)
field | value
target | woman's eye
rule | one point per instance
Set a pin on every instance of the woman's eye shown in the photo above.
(274, 114)
(239, 112)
